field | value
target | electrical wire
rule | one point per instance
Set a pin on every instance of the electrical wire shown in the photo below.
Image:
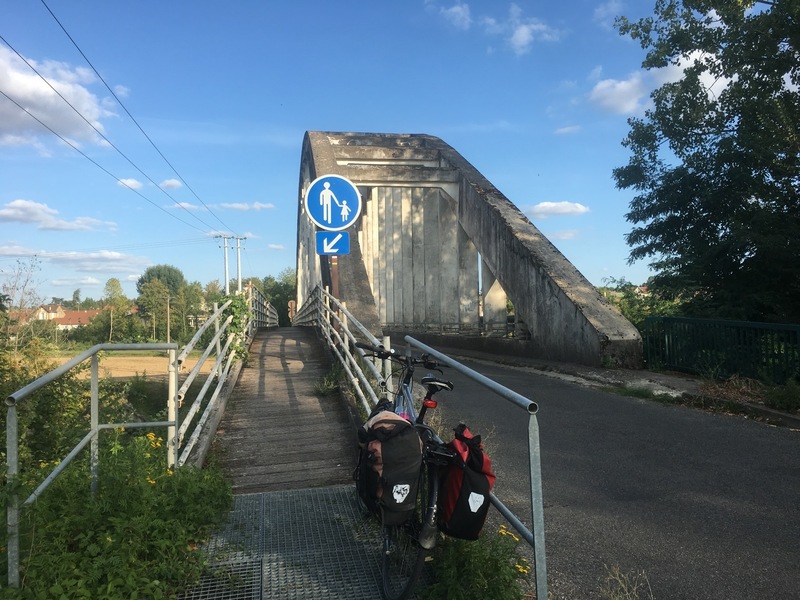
(108, 87)
(110, 143)
(94, 162)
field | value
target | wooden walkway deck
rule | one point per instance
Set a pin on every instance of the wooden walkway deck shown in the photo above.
(277, 434)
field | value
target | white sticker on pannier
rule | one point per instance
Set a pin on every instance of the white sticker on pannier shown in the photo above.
(476, 501)
(400, 491)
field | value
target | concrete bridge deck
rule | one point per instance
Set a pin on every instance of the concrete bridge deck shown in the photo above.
(296, 530)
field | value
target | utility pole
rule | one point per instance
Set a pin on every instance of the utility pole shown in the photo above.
(168, 299)
(225, 253)
(239, 265)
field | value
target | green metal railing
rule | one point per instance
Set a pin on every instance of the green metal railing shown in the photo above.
(766, 351)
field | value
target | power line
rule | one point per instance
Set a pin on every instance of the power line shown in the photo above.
(174, 170)
(110, 143)
(94, 162)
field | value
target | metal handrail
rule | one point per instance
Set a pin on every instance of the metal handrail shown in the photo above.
(331, 316)
(263, 314)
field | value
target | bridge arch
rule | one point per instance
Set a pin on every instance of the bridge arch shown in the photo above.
(438, 249)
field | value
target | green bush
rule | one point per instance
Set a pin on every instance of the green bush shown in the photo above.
(488, 568)
(138, 537)
(784, 397)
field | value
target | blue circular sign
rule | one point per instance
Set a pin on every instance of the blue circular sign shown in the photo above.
(332, 202)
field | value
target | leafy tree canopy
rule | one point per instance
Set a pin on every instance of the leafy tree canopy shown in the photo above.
(170, 276)
(716, 160)
(279, 290)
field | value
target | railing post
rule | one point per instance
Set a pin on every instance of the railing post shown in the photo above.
(537, 507)
(216, 327)
(94, 451)
(172, 411)
(387, 364)
(12, 513)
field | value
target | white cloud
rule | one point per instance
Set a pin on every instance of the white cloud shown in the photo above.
(276, 246)
(244, 206)
(631, 96)
(131, 183)
(517, 31)
(520, 32)
(188, 206)
(170, 184)
(73, 281)
(568, 130)
(46, 219)
(101, 261)
(31, 91)
(714, 85)
(623, 97)
(605, 13)
(549, 209)
(458, 15)
(564, 234)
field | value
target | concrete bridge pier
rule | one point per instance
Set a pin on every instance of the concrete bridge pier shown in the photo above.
(421, 265)
(427, 216)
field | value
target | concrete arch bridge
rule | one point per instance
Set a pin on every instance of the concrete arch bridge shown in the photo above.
(438, 251)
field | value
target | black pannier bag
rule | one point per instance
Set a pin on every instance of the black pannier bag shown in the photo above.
(467, 483)
(389, 461)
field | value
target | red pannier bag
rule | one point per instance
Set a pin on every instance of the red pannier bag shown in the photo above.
(465, 489)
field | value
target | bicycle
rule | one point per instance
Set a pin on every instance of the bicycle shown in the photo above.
(406, 546)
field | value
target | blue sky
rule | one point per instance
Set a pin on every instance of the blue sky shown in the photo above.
(535, 95)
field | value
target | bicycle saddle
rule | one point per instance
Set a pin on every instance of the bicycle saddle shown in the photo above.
(434, 384)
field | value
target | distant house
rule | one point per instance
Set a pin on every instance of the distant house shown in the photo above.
(63, 318)
(73, 319)
(48, 312)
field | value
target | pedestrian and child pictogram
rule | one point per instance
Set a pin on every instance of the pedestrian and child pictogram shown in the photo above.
(333, 202)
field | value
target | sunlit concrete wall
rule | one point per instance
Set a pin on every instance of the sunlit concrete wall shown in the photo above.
(427, 216)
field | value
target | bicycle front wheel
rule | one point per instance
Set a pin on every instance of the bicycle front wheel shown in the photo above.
(403, 557)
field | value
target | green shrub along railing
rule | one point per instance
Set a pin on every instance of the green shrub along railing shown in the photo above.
(768, 352)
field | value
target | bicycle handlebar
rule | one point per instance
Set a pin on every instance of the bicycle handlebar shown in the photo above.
(383, 353)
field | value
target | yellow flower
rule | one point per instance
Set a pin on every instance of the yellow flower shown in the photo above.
(151, 481)
(504, 531)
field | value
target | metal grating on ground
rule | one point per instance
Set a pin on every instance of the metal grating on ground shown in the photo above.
(293, 545)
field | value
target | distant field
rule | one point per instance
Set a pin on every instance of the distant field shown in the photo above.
(122, 366)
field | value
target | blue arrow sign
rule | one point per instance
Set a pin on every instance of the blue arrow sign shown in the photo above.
(332, 202)
(333, 242)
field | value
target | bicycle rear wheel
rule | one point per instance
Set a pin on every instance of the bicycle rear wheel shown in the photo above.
(403, 557)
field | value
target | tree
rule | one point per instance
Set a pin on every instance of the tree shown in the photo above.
(279, 291)
(212, 293)
(17, 328)
(170, 276)
(716, 161)
(152, 303)
(116, 303)
(636, 302)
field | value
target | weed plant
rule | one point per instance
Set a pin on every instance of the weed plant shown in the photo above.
(330, 384)
(488, 568)
(138, 537)
(622, 586)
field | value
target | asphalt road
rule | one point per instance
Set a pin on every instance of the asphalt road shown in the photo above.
(706, 506)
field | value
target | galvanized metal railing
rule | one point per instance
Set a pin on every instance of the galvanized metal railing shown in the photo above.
(195, 424)
(336, 325)
(721, 348)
